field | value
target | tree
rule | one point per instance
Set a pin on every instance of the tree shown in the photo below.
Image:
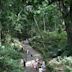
(66, 10)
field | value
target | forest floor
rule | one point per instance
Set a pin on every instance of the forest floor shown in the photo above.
(32, 55)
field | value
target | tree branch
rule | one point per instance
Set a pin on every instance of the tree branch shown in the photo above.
(52, 1)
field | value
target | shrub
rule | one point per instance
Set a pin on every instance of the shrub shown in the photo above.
(9, 59)
(59, 63)
(51, 44)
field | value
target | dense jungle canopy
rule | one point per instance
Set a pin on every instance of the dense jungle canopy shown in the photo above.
(47, 24)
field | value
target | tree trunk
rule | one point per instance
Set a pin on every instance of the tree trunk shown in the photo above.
(66, 10)
(67, 16)
(0, 34)
(68, 24)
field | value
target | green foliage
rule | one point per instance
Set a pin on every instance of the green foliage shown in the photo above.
(10, 59)
(67, 61)
(17, 18)
(50, 68)
(53, 41)
(33, 19)
(61, 63)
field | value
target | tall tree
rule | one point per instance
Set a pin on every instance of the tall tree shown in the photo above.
(66, 10)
